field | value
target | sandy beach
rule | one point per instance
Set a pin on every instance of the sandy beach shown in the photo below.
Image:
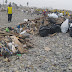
(17, 18)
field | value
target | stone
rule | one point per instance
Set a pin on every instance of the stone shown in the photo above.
(70, 67)
(68, 56)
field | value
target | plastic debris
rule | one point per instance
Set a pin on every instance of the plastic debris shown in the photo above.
(25, 20)
(60, 14)
(53, 15)
(65, 26)
(7, 29)
(23, 32)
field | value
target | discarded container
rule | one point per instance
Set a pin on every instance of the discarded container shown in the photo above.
(18, 26)
(65, 26)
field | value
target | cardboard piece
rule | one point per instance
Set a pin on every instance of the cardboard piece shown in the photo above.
(20, 46)
(47, 48)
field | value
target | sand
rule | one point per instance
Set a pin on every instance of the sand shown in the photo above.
(17, 18)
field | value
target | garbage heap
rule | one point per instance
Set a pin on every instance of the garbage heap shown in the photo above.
(47, 25)
(17, 40)
(12, 42)
(42, 26)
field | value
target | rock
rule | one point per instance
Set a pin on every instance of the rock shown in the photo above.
(68, 56)
(64, 70)
(70, 67)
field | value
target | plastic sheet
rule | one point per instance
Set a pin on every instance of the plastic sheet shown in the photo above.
(53, 15)
(65, 26)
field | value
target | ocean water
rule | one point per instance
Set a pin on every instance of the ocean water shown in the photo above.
(56, 4)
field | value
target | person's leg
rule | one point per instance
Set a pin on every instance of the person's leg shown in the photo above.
(8, 17)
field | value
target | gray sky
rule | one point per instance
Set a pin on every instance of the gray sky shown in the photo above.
(59, 4)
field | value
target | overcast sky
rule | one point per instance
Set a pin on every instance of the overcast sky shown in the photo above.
(59, 4)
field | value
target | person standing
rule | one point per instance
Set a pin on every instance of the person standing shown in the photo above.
(9, 10)
(27, 3)
(32, 11)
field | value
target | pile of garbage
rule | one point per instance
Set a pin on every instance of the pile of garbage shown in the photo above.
(12, 42)
(57, 23)
(17, 40)
(42, 26)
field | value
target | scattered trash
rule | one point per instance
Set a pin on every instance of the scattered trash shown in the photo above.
(18, 54)
(15, 40)
(7, 30)
(53, 34)
(20, 46)
(47, 48)
(25, 20)
(23, 32)
(6, 60)
(60, 14)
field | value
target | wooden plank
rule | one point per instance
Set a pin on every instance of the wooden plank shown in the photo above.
(20, 46)
(4, 33)
(53, 34)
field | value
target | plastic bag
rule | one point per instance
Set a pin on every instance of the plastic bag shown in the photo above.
(55, 29)
(7, 29)
(71, 25)
(52, 20)
(25, 20)
(60, 14)
(23, 32)
(53, 15)
(44, 31)
(13, 49)
(65, 26)
(10, 45)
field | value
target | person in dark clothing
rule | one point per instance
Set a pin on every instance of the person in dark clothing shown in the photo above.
(9, 17)
(27, 3)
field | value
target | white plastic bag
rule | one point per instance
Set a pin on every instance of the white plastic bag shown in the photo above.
(10, 45)
(23, 32)
(65, 26)
(25, 20)
(60, 14)
(13, 49)
(53, 15)
(71, 25)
